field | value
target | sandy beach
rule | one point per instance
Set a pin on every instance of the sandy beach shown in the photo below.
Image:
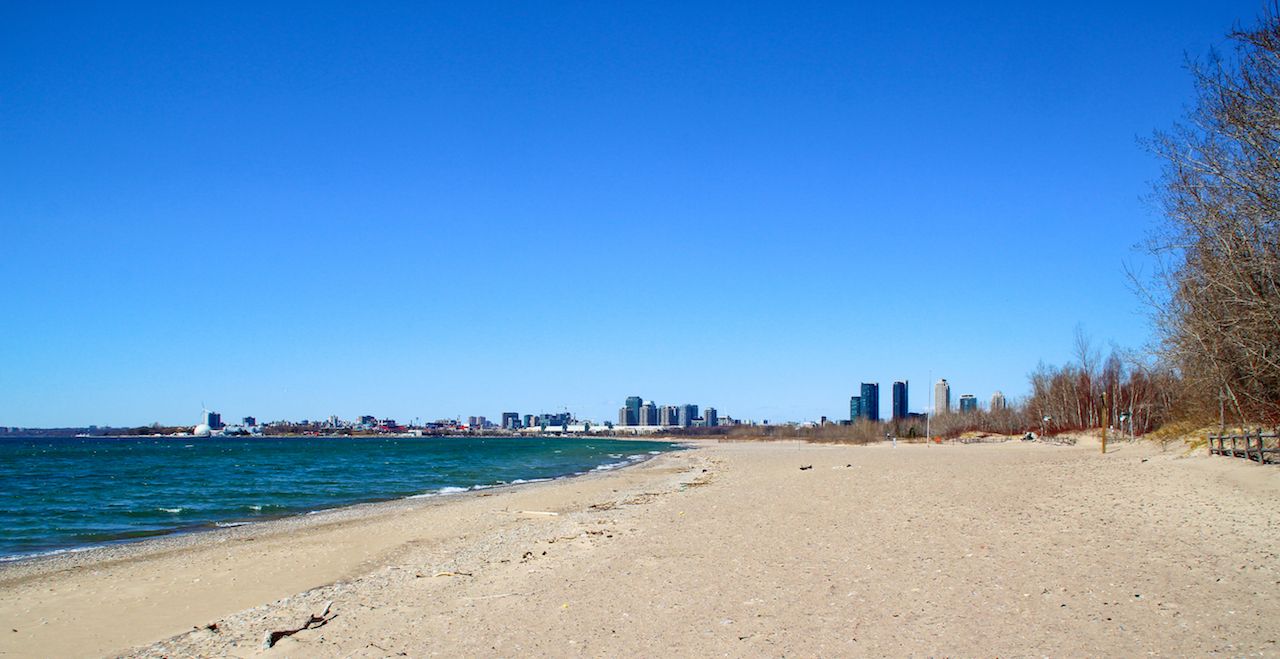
(988, 549)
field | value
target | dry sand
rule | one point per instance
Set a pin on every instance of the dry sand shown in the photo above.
(989, 549)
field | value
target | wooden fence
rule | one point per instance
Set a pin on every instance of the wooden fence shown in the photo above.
(1258, 446)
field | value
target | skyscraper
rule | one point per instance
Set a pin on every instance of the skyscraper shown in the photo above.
(510, 420)
(855, 408)
(669, 415)
(687, 414)
(998, 402)
(633, 411)
(213, 420)
(871, 401)
(648, 414)
(941, 397)
(900, 400)
(968, 403)
(710, 417)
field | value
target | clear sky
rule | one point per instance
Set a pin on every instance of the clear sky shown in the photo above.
(292, 211)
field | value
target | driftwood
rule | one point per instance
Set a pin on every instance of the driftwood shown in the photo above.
(270, 638)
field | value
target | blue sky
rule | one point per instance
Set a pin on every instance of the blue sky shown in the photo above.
(425, 211)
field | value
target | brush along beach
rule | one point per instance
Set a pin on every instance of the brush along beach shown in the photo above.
(746, 549)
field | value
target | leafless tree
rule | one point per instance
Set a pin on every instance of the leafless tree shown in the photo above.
(1217, 288)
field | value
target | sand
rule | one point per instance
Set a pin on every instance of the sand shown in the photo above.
(983, 549)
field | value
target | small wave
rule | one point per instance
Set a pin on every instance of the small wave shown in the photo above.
(611, 465)
(615, 456)
(439, 492)
(229, 525)
(173, 511)
(520, 481)
(256, 509)
(637, 456)
(53, 552)
(655, 452)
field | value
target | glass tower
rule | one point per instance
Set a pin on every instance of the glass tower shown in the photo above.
(900, 399)
(871, 401)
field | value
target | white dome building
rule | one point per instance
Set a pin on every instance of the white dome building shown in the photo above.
(201, 430)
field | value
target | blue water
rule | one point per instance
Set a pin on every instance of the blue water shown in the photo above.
(62, 493)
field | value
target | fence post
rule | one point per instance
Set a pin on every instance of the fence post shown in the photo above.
(1259, 445)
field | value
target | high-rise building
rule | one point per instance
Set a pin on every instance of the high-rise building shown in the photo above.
(510, 420)
(998, 402)
(687, 414)
(669, 415)
(968, 403)
(213, 420)
(633, 411)
(249, 421)
(900, 400)
(528, 421)
(624, 416)
(648, 414)
(871, 401)
(710, 417)
(855, 408)
(941, 397)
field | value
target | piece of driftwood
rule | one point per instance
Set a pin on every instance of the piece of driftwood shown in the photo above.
(271, 638)
(806, 467)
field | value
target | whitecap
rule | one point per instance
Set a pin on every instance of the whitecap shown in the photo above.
(171, 510)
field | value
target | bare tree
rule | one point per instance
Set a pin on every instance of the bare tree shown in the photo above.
(1218, 286)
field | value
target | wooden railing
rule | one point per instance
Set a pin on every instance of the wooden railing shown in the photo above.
(1258, 446)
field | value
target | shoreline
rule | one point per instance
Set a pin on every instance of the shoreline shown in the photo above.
(81, 556)
(222, 524)
(741, 548)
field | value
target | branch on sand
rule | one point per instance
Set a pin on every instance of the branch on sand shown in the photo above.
(270, 638)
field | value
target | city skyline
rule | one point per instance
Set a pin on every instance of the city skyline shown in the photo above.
(419, 209)
(899, 406)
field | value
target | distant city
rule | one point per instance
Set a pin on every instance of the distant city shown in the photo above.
(636, 416)
(866, 405)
